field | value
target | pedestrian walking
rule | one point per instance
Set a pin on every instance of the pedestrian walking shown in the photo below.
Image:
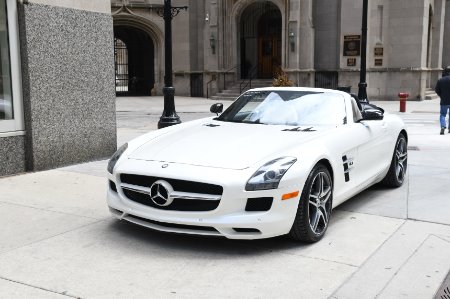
(443, 91)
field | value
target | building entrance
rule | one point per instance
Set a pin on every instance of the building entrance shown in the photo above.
(134, 61)
(260, 31)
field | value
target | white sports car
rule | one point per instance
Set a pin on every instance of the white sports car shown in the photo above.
(275, 162)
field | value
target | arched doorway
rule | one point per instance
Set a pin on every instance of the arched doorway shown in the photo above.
(134, 61)
(260, 32)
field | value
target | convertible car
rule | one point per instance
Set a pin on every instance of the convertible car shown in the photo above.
(276, 162)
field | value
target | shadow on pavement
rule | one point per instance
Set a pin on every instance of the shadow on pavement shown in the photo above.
(218, 246)
(380, 200)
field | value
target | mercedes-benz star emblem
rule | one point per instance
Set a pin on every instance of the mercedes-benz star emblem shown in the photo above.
(160, 193)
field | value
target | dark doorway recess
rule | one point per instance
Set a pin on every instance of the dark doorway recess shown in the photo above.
(260, 31)
(326, 79)
(196, 85)
(134, 61)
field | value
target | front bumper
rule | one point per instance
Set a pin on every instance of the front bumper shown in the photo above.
(229, 219)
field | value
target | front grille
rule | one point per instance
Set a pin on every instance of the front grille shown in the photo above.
(178, 185)
(178, 204)
(188, 205)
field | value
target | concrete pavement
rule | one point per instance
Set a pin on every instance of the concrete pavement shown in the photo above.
(58, 240)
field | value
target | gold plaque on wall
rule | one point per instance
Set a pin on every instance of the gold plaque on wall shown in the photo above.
(378, 51)
(352, 45)
(351, 61)
(378, 62)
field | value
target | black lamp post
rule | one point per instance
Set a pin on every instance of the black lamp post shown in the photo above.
(362, 91)
(169, 116)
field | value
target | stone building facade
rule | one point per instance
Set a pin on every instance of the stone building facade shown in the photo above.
(218, 43)
(57, 97)
(59, 60)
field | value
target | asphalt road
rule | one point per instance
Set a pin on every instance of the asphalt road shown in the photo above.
(58, 239)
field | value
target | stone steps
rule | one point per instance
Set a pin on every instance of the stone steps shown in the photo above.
(430, 94)
(234, 91)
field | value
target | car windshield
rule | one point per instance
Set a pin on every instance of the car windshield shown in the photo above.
(286, 107)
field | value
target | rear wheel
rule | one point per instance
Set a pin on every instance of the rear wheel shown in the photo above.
(314, 209)
(397, 171)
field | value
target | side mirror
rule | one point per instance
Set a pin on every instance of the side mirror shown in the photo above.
(372, 114)
(216, 108)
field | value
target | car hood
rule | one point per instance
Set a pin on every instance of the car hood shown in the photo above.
(222, 144)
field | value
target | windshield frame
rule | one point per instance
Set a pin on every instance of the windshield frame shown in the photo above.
(235, 114)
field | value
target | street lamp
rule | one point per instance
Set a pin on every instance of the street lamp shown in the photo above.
(169, 116)
(362, 91)
(292, 40)
(212, 43)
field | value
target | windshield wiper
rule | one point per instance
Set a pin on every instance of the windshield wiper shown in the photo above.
(300, 129)
(257, 122)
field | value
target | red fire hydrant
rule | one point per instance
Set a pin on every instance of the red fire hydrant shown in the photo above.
(403, 97)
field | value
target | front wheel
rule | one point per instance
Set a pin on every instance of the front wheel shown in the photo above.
(314, 208)
(399, 163)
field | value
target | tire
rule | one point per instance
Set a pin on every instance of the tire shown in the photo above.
(399, 164)
(314, 208)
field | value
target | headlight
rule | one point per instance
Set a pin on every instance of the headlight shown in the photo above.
(269, 175)
(112, 162)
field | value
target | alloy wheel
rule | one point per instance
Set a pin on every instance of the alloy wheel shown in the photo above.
(401, 157)
(320, 203)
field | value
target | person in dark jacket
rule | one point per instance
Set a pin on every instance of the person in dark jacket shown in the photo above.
(443, 91)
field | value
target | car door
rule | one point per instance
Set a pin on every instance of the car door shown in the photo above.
(345, 148)
(375, 154)
(346, 140)
(374, 150)
(364, 148)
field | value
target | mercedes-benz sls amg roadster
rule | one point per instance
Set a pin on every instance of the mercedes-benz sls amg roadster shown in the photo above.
(275, 162)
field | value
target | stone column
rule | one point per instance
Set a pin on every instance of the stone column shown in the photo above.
(68, 81)
(408, 49)
(327, 26)
(299, 42)
(438, 39)
(306, 36)
(446, 38)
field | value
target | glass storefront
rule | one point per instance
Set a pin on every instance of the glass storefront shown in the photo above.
(6, 103)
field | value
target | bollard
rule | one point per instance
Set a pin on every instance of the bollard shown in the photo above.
(403, 97)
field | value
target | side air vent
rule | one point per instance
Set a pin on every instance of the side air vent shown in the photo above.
(112, 186)
(347, 164)
(258, 204)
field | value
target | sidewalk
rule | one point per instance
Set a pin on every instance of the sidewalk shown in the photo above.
(58, 240)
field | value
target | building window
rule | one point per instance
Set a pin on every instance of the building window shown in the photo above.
(380, 19)
(11, 113)
(121, 66)
(6, 104)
